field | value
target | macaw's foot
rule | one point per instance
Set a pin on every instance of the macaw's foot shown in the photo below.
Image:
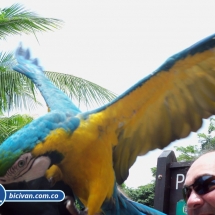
(70, 206)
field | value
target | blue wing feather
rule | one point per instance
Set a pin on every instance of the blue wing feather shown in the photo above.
(55, 99)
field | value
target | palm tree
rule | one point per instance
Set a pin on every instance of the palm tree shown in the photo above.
(17, 91)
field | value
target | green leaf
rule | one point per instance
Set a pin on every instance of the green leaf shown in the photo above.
(17, 20)
(16, 90)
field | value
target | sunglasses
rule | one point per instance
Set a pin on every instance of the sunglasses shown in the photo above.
(202, 185)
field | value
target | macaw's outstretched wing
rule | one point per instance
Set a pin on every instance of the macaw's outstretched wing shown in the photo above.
(162, 107)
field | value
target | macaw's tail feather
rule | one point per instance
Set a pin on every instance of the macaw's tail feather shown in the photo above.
(121, 205)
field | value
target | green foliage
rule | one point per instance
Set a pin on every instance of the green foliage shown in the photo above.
(17, 20)
(154, 171)
(143, 194)
(16, 90)
(208, 140)
(188, 153)
(10, 125)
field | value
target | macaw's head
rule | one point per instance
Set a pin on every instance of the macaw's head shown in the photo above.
(28, 153)
(24, 168)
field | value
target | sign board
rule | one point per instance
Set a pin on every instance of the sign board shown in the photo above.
(169, 183)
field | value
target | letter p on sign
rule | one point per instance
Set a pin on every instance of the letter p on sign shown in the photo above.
(179, 179)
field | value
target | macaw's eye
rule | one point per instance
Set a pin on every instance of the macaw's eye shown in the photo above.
(21, 163)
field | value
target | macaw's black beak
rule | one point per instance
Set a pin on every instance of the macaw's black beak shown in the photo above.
(36, 208)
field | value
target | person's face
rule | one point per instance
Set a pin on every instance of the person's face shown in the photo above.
(201, 204)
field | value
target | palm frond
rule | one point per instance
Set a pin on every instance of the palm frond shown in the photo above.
(7, 61)
(16, 90)
(16, 20)
(9, 125)
(81, 90)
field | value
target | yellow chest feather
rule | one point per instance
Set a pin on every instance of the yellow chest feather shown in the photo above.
(87, 163)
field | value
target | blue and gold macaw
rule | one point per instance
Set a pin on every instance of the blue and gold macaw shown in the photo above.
(92, 151)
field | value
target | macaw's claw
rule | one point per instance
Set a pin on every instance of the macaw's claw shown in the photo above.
(51, 181)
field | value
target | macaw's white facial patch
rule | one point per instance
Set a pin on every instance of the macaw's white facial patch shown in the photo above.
(26, 168)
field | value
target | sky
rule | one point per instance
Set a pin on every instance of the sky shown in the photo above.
(115, 44)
